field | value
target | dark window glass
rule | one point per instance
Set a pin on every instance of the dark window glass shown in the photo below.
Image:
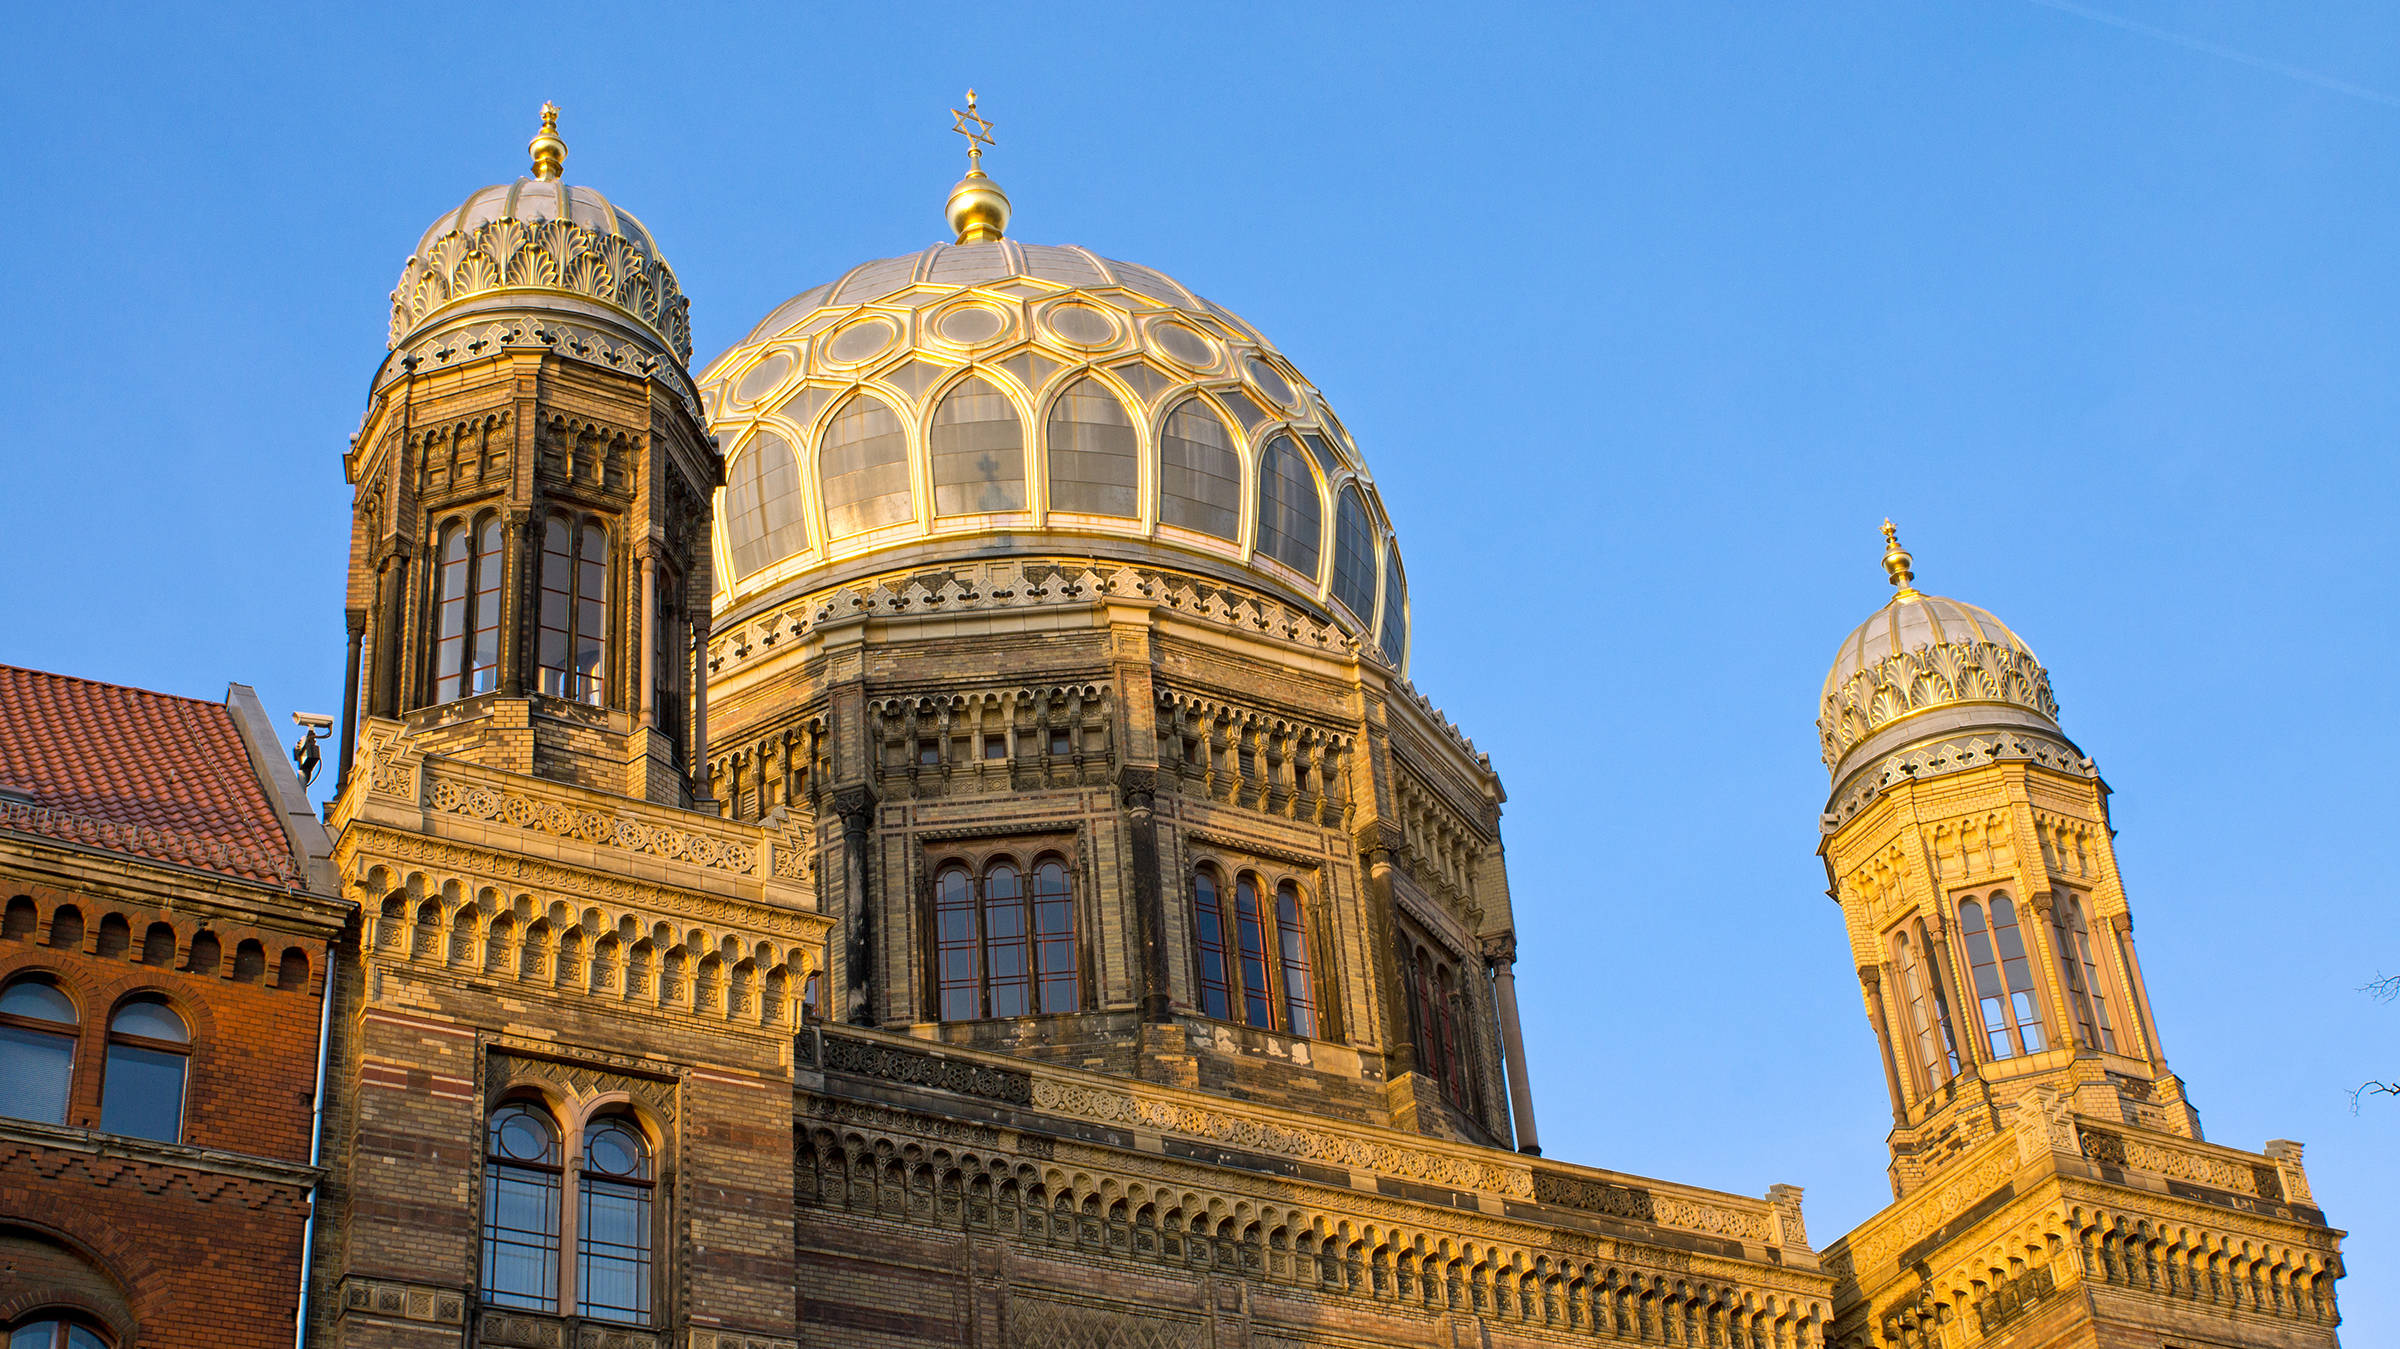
(1093, 452)
(1991, 999)
(1291, 522)
(929, 752)
(1208, 934)
(591, 615)
(1200, 476)
(1291, 942)
(955, 946)
(37, 1051)
(521, 1180)
(1394, 635)
(862, 464)
(141, 1086)
(2079, 954)
(978, 447)
(50, 1333)
(1936, 1057)
(1054, 937)
(1354, 555)
(1008, 971)
(557, 604)
(612, 1240)
(995, 747)
(1257, 1008)
(763, 523)
(450, 618)
(1062, 743)
(483, 662)
(2023, 1006)
(1454, 1079)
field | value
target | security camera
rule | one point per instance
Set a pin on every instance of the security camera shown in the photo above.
(313, 721)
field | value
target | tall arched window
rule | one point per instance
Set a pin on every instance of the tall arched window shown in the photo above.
(613, 1223)
(521, 1183)
(1354, 555)
(48, 1330)
(1418, 970)
(977, 443)
(2012, 1022)
(763, 523)
(1003, 947)
(1199, 475)
(1394, 635)
(862, 469)
(37, 1051)
(1092, 452)
(1291, 945)
(2087, 986)
(466, 610)
(1291, 521)
(1454, 1060)
(1208, 934)
(1258, 1006)
(1929, 1034)
(574, 637)
(141, 1088)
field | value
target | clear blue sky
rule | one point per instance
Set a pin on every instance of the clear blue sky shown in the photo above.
(1645, 316)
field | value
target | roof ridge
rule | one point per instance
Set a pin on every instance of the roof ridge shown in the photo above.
(6, 668)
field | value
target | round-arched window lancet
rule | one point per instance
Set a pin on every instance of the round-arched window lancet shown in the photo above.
(1055, 961)
(1291, 521)
(48, 1330)
(522, 1176)
(1208, 932)
(1092, 453)
(977, 443)
(1008, 971)
(957, 953)
(1249, 925)
(141, 1087)
(862, 469)
(1354, 555)
(1199, 475)
(1394, 636)
(1291, 951)
(37, 1051)
(614, 1223)
(574, 608)
(763, 520)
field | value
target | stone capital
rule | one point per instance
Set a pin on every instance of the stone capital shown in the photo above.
(1500, 949)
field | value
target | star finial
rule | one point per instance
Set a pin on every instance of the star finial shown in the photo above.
(978, 132)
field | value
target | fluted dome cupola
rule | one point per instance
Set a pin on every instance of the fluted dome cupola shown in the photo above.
(541, 245)
(1929, 685)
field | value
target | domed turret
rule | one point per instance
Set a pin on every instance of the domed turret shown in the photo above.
(568, 249)
(1928, 684)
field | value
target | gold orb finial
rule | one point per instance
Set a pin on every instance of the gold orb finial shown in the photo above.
(549, 152)
(978, 209)
(1897, 563)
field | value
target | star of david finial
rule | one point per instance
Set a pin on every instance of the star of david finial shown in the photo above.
(978, 132)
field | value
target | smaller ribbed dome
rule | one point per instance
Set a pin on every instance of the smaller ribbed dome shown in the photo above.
(1920, 654)
(544, 244)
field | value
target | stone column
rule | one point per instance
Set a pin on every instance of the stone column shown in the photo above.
(1140, 786)
(1973, 1050)
(644, 632)
(1870, 978)
(1501, 952)
(356, 621)
(2052, 961)
(702, 787)
(856, 806)
(520, 550)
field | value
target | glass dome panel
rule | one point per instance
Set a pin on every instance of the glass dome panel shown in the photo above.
(1394, 638)
(763, 523)
(1354, 554)
(1199, 475)
(1291, 521)
(863, 466)
(1094, 456)
(978, 448)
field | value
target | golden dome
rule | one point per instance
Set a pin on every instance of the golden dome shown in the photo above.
(1923, 654)
(544, 244)
(1004, 398)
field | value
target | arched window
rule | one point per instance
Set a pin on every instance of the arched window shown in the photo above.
(1003, 947)
(2085, 980)
(1454, 1062)
(48, 1330)
(37, 1051)
(1394, 637)
(1093, 454)
(1354, 555)
(763, 523)
(466, 611)
(862, 469)
(1008, 975)
(978, 448)
(521, 1182)
(1417, 971)
(141, 1088)
(1258, 1006)
(1291, 945)
(1291, 521)
(1054, 938)
(613, 1223)
(1208, 933)
(2012, 1022)
(1199, 475)
(1929, 1043)
(574, 611)
(669, 647)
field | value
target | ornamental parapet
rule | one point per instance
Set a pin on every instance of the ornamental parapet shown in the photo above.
(543, 257)
(1918, 680)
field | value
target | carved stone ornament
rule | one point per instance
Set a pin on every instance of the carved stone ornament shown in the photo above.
(559, 820)
(1911, 681)
(543, 255)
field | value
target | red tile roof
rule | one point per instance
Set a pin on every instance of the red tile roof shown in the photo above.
(132, 771)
